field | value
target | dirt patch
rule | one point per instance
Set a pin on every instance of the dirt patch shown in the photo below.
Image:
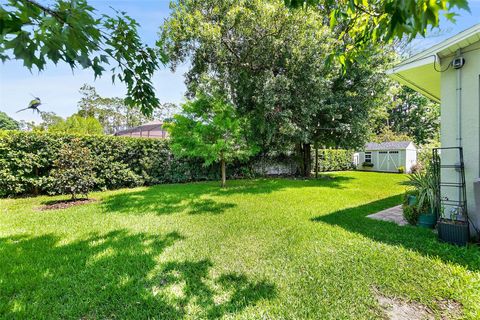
(399, 309)
(63, 204)
(450, 309)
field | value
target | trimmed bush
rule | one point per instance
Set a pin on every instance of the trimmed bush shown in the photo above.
(334, 160)
(410, 211)
(27, 159)
(73, 170)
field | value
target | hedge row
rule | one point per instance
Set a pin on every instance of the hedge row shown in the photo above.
(26, 159)
(334, 160)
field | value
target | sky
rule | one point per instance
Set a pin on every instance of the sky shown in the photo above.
(58, 86)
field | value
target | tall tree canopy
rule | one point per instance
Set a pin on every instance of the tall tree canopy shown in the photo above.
(271, 61)
(407, 113)
(7, 123)
(72, 32)
(414, 115)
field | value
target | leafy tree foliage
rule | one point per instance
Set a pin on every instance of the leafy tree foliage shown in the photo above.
(113, 113)
(209, 128)
(49, 120)
(415, 115)
(69, 31)
(271, 61)
(73, 173)
(78, 125)
(363, 22)
(75, 124)
(405, 112)
(387, 134)
(7, 123)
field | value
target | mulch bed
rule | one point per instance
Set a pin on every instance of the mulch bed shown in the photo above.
(63, 204)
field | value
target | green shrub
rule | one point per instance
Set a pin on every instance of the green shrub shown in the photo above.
(410, 214)
(410, 211)
(367, 165)
(334, 160)
(401, 169)
(27, 159)
(73, 170)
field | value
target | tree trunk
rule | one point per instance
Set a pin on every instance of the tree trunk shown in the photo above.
(35, 189)
(307, 159)
(224, 172)
(316, 162)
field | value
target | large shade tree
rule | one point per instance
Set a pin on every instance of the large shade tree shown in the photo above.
(72, 32)
(413, 114)
(272, 62)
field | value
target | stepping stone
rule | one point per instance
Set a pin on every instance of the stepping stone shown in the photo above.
(394, 214)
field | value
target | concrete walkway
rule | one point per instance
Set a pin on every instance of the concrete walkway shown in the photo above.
(394, 214)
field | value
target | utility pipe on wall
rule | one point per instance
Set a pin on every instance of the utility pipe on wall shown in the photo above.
(459, 118)
(459, 103)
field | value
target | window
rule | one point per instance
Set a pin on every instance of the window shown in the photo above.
(383, 152)
(394, 152)
(368, 157)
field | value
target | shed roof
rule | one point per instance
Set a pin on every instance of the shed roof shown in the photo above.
(390, 145)
(420, 72)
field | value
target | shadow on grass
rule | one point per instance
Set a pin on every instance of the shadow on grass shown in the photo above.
(420, 240)
(174, 198)
(114, 276)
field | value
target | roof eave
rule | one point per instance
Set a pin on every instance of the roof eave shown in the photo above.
(398, 77)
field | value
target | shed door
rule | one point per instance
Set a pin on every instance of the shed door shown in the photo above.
(389, 160)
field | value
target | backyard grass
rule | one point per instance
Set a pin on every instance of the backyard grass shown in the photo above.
(265, 249)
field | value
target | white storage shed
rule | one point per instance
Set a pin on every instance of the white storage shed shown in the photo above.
(387, 156)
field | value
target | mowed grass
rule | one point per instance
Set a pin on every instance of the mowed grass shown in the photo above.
(287, 249)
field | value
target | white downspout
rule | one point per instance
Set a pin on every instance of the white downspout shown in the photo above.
(459, 120)
(459, 104)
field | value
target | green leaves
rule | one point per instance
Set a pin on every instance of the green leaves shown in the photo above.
(7, 123)
(365, 22)
(69, 31)
(209, 128)
(73, 170)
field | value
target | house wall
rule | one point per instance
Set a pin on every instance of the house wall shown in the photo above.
(470, 122)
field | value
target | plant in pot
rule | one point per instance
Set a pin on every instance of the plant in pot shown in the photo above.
(427, 187)
(409, 206)
(453, 226)
(367, 165)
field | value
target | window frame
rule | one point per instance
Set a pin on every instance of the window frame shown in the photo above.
(369, 154)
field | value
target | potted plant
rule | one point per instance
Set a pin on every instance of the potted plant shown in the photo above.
(367, 165)
(427, 188)
(453, 226)
(409, 206)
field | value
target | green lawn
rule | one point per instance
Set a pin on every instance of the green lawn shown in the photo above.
(258, 249)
